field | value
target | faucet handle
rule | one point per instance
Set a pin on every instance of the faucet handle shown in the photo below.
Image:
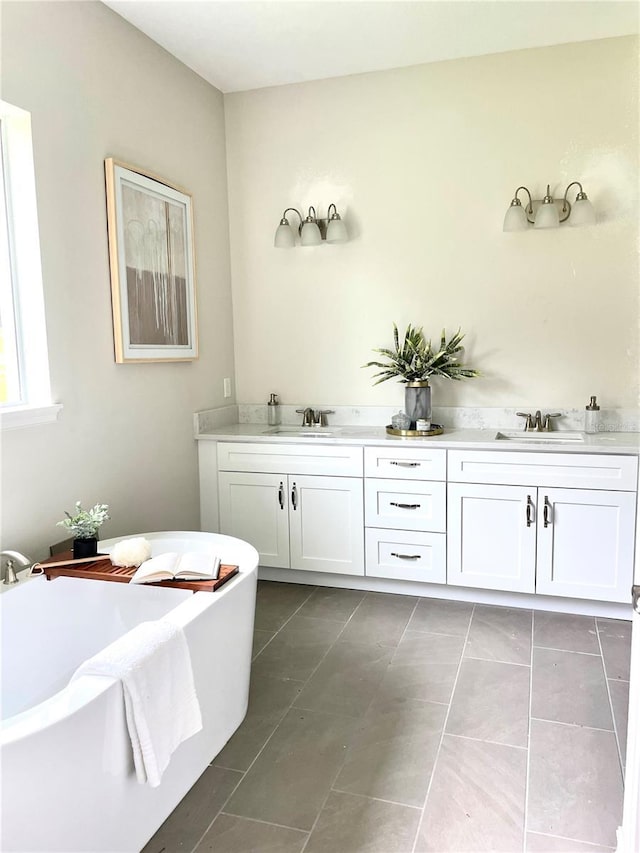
(321, 416)
(547, 422)
(528, 424)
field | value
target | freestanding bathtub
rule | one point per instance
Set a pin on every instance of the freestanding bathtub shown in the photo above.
(68, 782)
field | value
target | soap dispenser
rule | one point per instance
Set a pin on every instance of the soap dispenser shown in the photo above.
(591, 416)
(273, 410)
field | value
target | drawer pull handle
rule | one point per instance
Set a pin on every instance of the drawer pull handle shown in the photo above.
(294, 497)
(406, 464)
(281, 496)
(405, 556)
(530, 511)
(405, 506)
(547, 512)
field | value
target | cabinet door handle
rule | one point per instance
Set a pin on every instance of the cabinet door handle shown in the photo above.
(405, 556)
(530, 511)
(281, 496)
(294, 496)
(547, 512)
(404, 506)
(406, 464)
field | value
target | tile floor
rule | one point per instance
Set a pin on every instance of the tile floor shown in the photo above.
(393, 724)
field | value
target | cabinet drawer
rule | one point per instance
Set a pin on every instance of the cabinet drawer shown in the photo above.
(290, 458)
(404, 505)
(406, 555)
(405, 462)
(566, 470)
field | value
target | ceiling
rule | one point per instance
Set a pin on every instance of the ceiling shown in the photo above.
(249, 44)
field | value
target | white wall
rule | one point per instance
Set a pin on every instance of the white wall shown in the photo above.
(96, 87)
(424, 161)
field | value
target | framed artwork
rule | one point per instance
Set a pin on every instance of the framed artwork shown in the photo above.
(151, 255)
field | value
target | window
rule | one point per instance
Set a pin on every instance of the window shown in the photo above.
(25, 392)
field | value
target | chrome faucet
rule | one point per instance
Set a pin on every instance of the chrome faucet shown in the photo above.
(314, 417)
(307, 416)
(538, 422)
(12, 558)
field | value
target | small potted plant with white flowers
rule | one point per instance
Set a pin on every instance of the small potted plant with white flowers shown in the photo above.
(84, 525)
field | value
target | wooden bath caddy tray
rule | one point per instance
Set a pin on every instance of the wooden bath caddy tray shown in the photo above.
(100, 568)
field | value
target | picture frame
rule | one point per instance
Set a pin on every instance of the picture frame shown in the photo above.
(151, 257)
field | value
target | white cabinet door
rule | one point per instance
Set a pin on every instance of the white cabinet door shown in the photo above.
(585, 543)
(253, 507)
(326, 524)
(491, 540)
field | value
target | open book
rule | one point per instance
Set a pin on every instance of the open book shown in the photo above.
(192, 566)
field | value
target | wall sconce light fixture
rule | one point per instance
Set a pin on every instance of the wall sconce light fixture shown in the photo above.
(549, 212)
(312, 230)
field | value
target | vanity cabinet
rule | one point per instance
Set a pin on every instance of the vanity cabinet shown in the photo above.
(294, 519)
(405, 513)
(518, 522)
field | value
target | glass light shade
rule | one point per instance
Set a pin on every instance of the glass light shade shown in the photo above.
(582, 213)
(310, 234)
(285, 238)
(547, 216)
(336, 231)
(515, 219)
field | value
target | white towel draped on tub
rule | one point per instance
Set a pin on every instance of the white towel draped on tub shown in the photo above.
(154, 665)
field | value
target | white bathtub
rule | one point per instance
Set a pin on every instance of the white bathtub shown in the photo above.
(68, 782)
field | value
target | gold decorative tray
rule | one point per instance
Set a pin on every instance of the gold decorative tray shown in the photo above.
(436, 429)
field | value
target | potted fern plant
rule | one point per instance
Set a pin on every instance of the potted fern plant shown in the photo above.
(415, 360)
(84, 525)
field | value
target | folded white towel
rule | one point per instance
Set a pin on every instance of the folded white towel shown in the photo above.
(162, 709)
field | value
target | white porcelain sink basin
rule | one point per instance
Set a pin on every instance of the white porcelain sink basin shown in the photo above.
(302, 432)
(565, 437)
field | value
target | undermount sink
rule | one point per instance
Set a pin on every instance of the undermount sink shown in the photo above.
(302, 432)
(541, 437)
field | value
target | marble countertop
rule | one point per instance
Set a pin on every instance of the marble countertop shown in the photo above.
(458, 439)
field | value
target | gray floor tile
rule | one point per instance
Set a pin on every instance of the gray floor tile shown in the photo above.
(260, 640)
(424, 666)
(438, 616)
(380, 618)
(615, 637)
(570, 687)
(537, 843)
(392, 754)
(230, 834)
(276, 602)
(347, 679)
(330, 603)
(269, 700)
(392, 664)
(491, 702)
(500, 633)
(620, 701)
(350, 824)
(476, 801)
(298, 648)
(565, 631)
(290, 779)
(188, 822)
(575, 783)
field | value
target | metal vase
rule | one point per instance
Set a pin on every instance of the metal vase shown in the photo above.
(417, 401)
